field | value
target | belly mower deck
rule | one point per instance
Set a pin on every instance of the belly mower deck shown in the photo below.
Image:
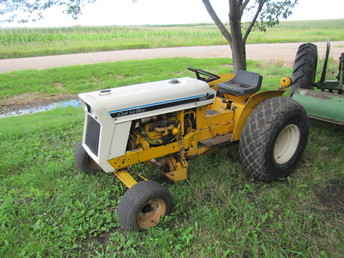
(324, 106)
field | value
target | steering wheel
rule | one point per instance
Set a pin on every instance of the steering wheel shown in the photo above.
(204, 75)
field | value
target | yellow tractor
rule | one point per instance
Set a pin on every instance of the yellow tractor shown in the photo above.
(168, 122)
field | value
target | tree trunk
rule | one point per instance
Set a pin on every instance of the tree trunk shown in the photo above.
(238, 53)
(238, 45)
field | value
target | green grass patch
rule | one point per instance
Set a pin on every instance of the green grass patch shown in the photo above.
(49, 209)
(51, 41)
(75, 79)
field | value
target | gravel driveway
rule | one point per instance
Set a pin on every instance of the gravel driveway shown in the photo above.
(277, 53)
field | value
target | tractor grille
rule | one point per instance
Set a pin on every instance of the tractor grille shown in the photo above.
(92, 134)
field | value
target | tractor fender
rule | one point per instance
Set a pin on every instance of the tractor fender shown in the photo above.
(242, 110)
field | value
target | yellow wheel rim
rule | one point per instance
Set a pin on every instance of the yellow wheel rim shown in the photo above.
(151, 213)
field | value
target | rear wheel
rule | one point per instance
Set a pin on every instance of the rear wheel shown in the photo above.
(305, 66)
(143, 206)
(274, 138)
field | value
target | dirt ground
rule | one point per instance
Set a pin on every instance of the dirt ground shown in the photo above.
(331, 195)
(30, 100)
(282, 53)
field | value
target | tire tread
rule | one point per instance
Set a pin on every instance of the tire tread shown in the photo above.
(258, 132)
(305, 66)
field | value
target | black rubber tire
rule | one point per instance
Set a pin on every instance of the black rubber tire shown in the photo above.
(84, 162)
(260, 133)
(136, 198)
(305, 66)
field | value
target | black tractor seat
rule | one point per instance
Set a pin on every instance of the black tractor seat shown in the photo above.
(243, 83)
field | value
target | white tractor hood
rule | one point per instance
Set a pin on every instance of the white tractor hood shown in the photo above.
(147, 97)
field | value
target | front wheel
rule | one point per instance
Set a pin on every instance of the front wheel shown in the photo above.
(143, 206)
(274, 138)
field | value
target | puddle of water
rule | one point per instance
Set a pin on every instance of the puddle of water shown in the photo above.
(25, 111)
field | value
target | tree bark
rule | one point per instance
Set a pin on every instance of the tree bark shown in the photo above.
(239, 55)
(238, 45)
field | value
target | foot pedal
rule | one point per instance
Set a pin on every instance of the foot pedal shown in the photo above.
(217, 140)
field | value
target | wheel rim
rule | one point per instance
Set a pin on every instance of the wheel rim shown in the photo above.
(151, 213)
(286, 144)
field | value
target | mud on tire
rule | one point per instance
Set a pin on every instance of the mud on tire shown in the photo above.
(266, 133)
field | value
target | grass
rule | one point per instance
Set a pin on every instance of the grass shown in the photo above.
(58, 83)
(49, 209)
(76, 79)
(51, 41)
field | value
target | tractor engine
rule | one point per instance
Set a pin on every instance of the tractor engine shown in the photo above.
(154, 131)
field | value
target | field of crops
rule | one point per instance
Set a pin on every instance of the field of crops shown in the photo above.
(50, 209)
(51, 41)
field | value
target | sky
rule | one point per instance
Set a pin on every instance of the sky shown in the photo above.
(125, 12)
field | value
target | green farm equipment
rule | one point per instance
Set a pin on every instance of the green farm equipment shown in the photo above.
(324, 99)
